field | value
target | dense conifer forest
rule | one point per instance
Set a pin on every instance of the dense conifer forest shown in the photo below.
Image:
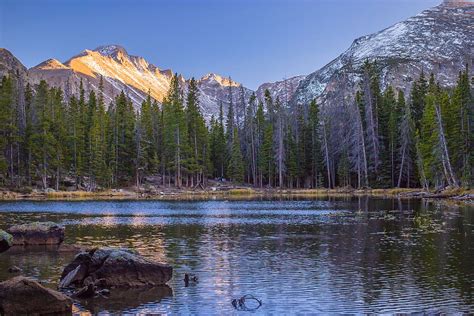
(379, 139)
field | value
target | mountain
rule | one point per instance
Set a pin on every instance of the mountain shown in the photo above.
(136, 77)
(438, 40)
(10, 64)
(132, 74)
(119, 70)
(283, 90)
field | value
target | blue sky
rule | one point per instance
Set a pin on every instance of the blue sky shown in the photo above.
(254, 41)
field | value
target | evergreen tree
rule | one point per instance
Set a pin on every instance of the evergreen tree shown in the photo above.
(197, 136)
(236, 166)
(175, 145)
(316, 159)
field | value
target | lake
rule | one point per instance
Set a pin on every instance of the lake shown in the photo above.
(326, 256)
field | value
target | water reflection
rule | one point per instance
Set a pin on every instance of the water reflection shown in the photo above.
(308, 256)
(135, 300)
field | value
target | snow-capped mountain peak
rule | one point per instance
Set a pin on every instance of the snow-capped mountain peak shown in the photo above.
(111, 50)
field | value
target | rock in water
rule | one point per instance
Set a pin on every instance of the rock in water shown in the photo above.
(6, 241)
(23, 296)
(114, 267)
(14, 269)
(38, 233)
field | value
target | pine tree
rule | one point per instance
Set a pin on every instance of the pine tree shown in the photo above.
(370, 103)
(149, 137)
(236, 166)
(218, 145)
(406, 142)
(98, 143)
(197, 136)
(316, 159)
(7, 128)
(460, 129)
(267, 161)
(259, 140)
(418, 94)
(389, 122)
(175, 143)
(433, 145)
(250, 134)
(279, 145)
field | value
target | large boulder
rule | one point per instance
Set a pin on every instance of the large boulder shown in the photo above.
(6, 241)
(37, 233)
(114, 268)
(23, 296)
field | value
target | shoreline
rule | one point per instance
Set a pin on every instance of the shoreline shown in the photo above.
(459, 195)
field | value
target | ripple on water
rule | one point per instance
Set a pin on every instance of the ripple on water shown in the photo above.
(339, 256)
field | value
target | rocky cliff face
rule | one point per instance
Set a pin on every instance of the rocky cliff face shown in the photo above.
(283, 90)
(119, 70)
(438, 40)
(10, 64)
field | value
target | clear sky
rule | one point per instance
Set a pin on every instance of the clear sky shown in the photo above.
(254, 41)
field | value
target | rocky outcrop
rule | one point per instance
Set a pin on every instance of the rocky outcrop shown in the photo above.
(23, 296)
(38, 233)
(282, 90)
(6, 241)
(10, 65)
(113, 268)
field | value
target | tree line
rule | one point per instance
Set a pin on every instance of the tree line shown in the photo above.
(378, 139)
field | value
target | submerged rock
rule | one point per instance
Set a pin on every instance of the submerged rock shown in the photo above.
(37, 233)
(120, 299)
(14, 269)
(114, 268)
(21, 296)
(6, 241)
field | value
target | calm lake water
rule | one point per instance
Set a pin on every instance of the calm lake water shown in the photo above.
(325, 256)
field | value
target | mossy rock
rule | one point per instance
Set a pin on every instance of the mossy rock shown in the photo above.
(6, 241)
(37, 233)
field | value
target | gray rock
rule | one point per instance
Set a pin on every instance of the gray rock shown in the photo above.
(114, 267)
(14, 269)
(23, 296)
(6, 241)
(37, 233)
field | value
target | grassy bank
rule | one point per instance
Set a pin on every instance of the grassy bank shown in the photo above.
(234, 193)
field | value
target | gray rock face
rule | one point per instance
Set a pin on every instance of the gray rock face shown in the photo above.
(23, 296)
(283, 90)
(6, 241)
(9, 64)
(438, 40)
(114, 268)
(37, 233)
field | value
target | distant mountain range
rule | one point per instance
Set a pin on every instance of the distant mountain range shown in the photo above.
(438, 40)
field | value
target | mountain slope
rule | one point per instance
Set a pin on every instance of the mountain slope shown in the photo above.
(131, 74)
(282, 90)
(438, 40)
(10, 64)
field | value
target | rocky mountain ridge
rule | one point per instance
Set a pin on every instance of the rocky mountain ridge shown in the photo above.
(438, 40)
(123, 72)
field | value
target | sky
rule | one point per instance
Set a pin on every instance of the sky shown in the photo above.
(253, 41)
